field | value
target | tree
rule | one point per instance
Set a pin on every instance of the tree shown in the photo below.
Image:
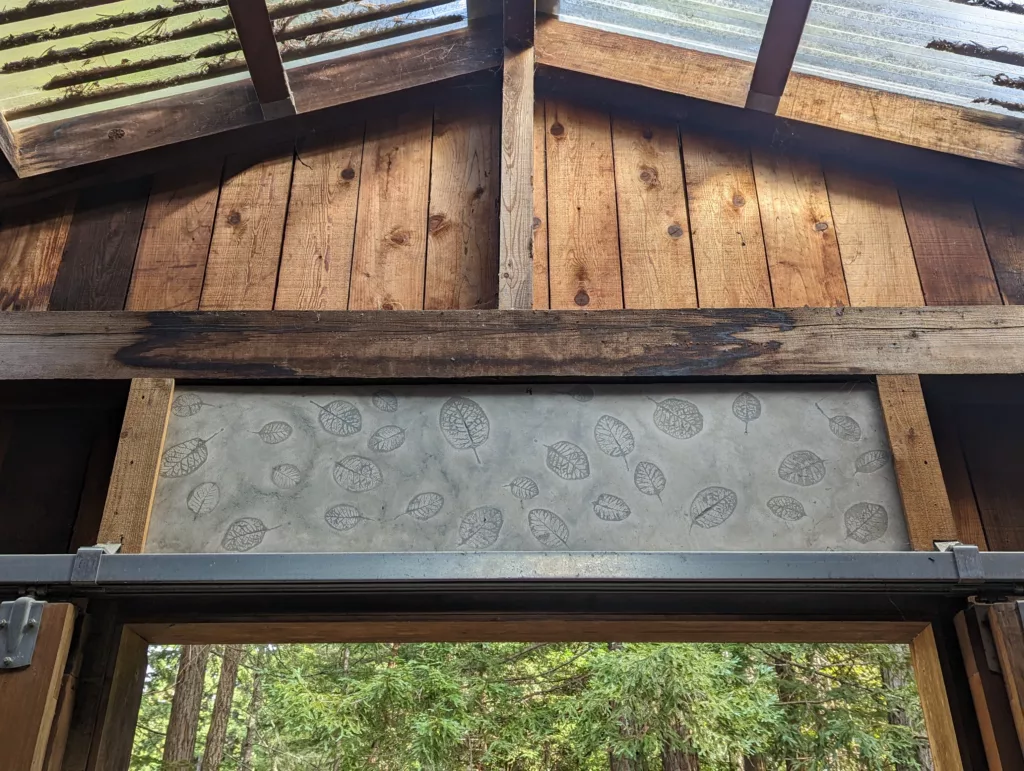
(255, 702)
(213, 752)
(180, 744)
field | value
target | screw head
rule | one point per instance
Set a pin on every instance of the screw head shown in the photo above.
(3, 623)
(8, 661)
(30, 624)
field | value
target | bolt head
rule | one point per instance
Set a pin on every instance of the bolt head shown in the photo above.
(30, 624)
(8, 661)
(3, 623)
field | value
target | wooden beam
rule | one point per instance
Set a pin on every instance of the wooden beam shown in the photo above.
(469, 344)
(133, 481)
(931, 686)
(515, 219)
(262, 57)
(925, 502)
(1007, 622)
(28, 697)
(779, 43)
(8, 146)
(518, 22)
(124, 687)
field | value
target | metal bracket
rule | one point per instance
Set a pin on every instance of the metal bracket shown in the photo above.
(20, 621)
(968, 564)
(86, 567)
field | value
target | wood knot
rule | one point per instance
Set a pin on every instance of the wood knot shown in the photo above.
(675, 230)
(348, 174)
(116, 133)
(398, 237)
(557, 129)
(582, 298)
(390, 305)
(437, 222)
(478, 193)
(647, 133)
(821, 226)
(234, 218)
(738, 200)
(537, 222)
(649, 176)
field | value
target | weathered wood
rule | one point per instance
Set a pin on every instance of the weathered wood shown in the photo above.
(1007, 626)
(468, 344)
(262, 56)
(515, 215)
(133, 481)
(96, 269)
(8, 147)
(388, 262)
(32, 241)
(925, 503)
(241, 271)
(642, 62)
(1003, 226)
(541, 294)
(799, 235)
(175, 242)
(725, 224)
(931, 686)
(462, 237)
(949, 249)
(455, 628)
(775, 56)
(654, 228)
(583, 247)
(990, 436)
(123, 691)
(969, 527)
(316, 259)
(28, 697)
(991, 703)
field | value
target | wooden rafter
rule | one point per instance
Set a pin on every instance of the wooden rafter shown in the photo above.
(775, 57)
(518, 22)
(262, 57)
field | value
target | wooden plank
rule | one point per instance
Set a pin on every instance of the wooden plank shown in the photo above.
(654, 227)
(462, 233)
(878, 260)
(949, 248)
(241, 271)
(918, 473)
(515, 214)
(388, 261)
(725, 224)
(894, 117)
(28, 697)
(1003, 226)
(133, 481)
(469, 344)
(316, 259)
(583, 248)
(775, 56)
(991, 704)
(262, 56)
(159, 122)
(171, 259)
(642, 62)
(969, 527)
(1008, 633)
(799, 234)
(541, 296)
(32, 241)
(931, 686)
(8, 145)
(96, 270)
(994, 453)
(113, 744)
(456, 628)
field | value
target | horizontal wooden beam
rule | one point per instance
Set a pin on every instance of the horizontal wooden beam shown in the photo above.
(527, 344)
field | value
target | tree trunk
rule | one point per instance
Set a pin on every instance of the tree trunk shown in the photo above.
(755, 763)
(180, 744)
(214, 751)
(255, 702)
(678, 760)
(894, 681)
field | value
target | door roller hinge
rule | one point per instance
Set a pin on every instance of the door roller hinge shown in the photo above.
(20, 621)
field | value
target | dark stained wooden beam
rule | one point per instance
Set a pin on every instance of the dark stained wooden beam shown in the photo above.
(518, 22)
(522, 344)
(262, 57)
(786, 21)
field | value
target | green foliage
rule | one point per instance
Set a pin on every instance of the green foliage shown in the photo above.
(557, 707)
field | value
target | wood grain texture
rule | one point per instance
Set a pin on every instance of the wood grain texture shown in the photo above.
(241, 271)
(123, 690)
(990, 436)
(133, 481)
(1008, 635)
(316, 259)
(28, 697)
(175, 242)
(642, 62)
(462, 234)
(799, 235)
(541, 296)
(388, 262)
(904, 119)
(469, 344)
(96, 269)
(467, 628)
(583, 248)
(1002, 220)
(918, 473)
(931, 686)
(952, 259)
(654, 227)
(878, 260)
(515, 214)
(32, 241)
(969, 527)
(725, 224)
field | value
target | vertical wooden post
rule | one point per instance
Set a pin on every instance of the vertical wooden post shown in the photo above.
(28, 697)
(262, 57)
(931, 685)
(1007, 621)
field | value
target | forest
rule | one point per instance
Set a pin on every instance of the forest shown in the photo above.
(530, 707)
